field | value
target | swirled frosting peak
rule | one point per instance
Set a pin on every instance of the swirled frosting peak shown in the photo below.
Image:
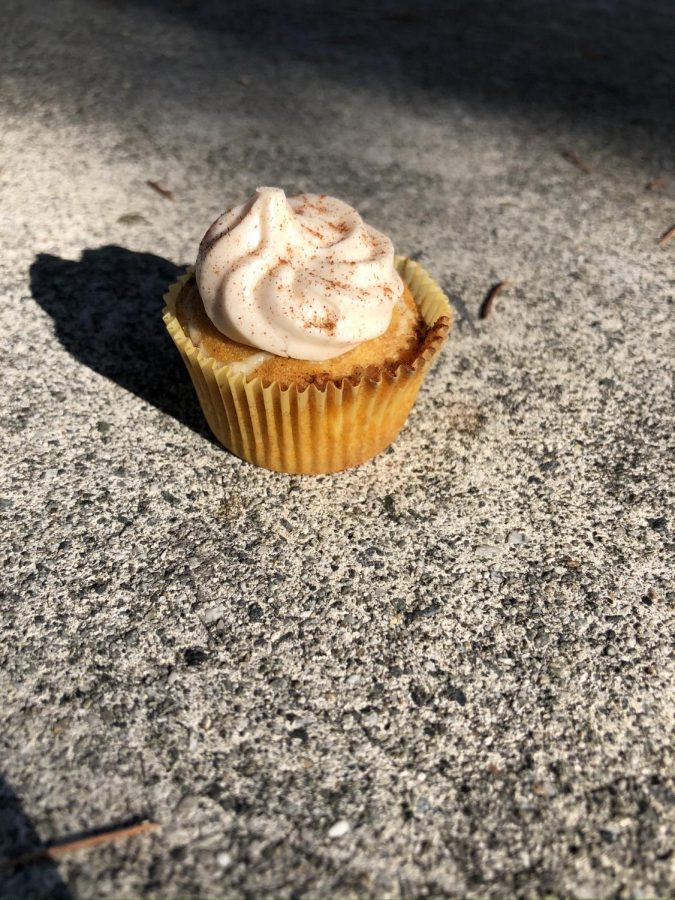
(302, 276)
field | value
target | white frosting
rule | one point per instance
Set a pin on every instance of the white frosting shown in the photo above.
(301, 276)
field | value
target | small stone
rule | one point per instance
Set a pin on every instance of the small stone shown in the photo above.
(103, 427)
(426, 612)
(486, 550)
(515, 538)
(586, 891)
(389, 504)
(195, 656)
(419, 696)
(213, 614)
(299, 734)
(543, 789)
(339, 829)
(658, 524)
(255, 612)
(456, 694)
(224, 860)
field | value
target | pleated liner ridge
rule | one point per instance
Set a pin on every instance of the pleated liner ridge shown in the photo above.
(312, 430)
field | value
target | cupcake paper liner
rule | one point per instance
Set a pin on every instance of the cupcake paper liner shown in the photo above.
(313, 430)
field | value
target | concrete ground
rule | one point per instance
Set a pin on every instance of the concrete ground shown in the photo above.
(447, 673)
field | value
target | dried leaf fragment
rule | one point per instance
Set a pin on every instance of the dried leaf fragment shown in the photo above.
(576, 161)
(132, 219)
(488, 304)
(163, 192)
(93, 840)
(667, 235)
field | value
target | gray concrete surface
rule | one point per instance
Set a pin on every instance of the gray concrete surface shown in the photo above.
(448, 673)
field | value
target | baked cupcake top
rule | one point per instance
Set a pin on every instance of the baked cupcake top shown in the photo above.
(301, 277)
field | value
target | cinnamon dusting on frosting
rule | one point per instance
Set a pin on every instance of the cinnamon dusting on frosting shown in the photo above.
(327, 324)
(317, 234)
(303, 276)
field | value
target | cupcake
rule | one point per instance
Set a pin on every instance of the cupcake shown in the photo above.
(305, 337)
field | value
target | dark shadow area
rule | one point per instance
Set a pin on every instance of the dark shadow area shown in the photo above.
(581, 58)
(107, 312)
(17, 836)
(606, 65)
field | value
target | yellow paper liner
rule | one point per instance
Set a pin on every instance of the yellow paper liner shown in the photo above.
(313, 430)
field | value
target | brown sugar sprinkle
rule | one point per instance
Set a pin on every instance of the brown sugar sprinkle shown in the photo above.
(340, 227)
(278, 264)
(316, 234)
(329, 324)
(336, 285)
(319, 207)
(488, 304)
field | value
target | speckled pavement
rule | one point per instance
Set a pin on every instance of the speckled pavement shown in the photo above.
(447, 673)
